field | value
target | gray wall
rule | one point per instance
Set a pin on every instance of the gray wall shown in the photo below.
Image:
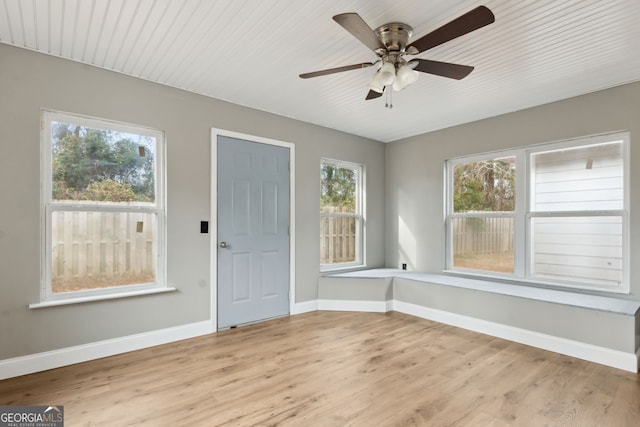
(414, 208)
(414, 168)
(30, 81)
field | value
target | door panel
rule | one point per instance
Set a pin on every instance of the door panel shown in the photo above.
(253, 231)
(269, 274)
(241, 281)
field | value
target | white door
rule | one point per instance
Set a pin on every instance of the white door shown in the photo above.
(253, 231)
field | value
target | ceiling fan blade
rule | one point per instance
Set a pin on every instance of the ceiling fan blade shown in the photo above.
(470, 21)
(353, 23)
(373, 95)
(444, 69)
(336, 70)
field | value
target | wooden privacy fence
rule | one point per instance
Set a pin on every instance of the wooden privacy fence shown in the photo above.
(102, 249)
(337, 239)
(482, 235)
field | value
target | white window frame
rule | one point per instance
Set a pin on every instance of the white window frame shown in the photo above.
(48, 206)
(450, 215)
(359, 215)
(523, 213)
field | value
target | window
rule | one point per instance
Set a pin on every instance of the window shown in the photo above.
(341, 218)
(552, 214)
(103, 204)
(483, 214)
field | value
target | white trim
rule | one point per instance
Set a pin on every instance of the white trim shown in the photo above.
(523, 212)
(48, 206)
(23, 365)
(304, 307)
(592, 353)
(602, 355)
(390, 304)
(101, 297)
(360, 217)
(213, 233)
(213, 226)
(28, 364)
(353, 305)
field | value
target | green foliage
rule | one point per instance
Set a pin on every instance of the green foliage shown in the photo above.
(484, 186)
(99, 165)
(110, 191)
(337, 189)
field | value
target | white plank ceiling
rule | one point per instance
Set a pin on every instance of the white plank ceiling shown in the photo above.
(250, 52)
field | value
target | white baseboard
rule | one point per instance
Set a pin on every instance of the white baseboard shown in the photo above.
(81, 353)
(353, 305)
(304, 307)
(580, 350)
(390, 305)
(67, 356)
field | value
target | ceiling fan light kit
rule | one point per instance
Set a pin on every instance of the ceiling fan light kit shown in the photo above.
(398, 76)
(404, 77)
(390, 42)
(376, 84)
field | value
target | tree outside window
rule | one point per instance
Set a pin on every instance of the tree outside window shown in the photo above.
(103, 206)
(341, 221)
(101, 166)
(484, 199)
(554, 213)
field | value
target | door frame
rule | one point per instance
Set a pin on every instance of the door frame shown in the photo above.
(213, 221)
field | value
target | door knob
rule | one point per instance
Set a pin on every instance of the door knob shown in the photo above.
(224, 245)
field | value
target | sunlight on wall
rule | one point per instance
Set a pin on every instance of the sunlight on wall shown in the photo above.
(407, 242)
(407, 246)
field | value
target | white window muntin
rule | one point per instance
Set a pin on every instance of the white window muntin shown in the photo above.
(49, 206)
(450, 215)
(523, 214)
(358, 215)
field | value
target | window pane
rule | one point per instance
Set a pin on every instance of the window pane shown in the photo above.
(92, 250)
(101, 165)
(483, 244)
(338, 189)
(487, 185)
(338, 239)
(578, 249)
(578, 179)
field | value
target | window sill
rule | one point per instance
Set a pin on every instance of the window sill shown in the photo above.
(80, 300)
(564, 286)
(326, 271)
(365, 273)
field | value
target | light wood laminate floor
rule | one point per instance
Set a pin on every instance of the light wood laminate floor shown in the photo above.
(335, 369)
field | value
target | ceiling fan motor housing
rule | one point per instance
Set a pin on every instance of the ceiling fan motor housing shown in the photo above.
(394, 36)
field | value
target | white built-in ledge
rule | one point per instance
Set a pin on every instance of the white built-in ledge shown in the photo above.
(595, 302)
(101, 297)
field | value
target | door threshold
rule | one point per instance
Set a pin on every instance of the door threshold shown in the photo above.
(226, 328)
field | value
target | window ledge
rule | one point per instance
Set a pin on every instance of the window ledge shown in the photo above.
(371, 273)
(330, 271)
(80, 300)
(595, 302)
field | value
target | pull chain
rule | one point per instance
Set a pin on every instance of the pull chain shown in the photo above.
(389, 101)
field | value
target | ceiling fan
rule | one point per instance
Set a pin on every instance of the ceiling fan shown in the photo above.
(390, 42)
